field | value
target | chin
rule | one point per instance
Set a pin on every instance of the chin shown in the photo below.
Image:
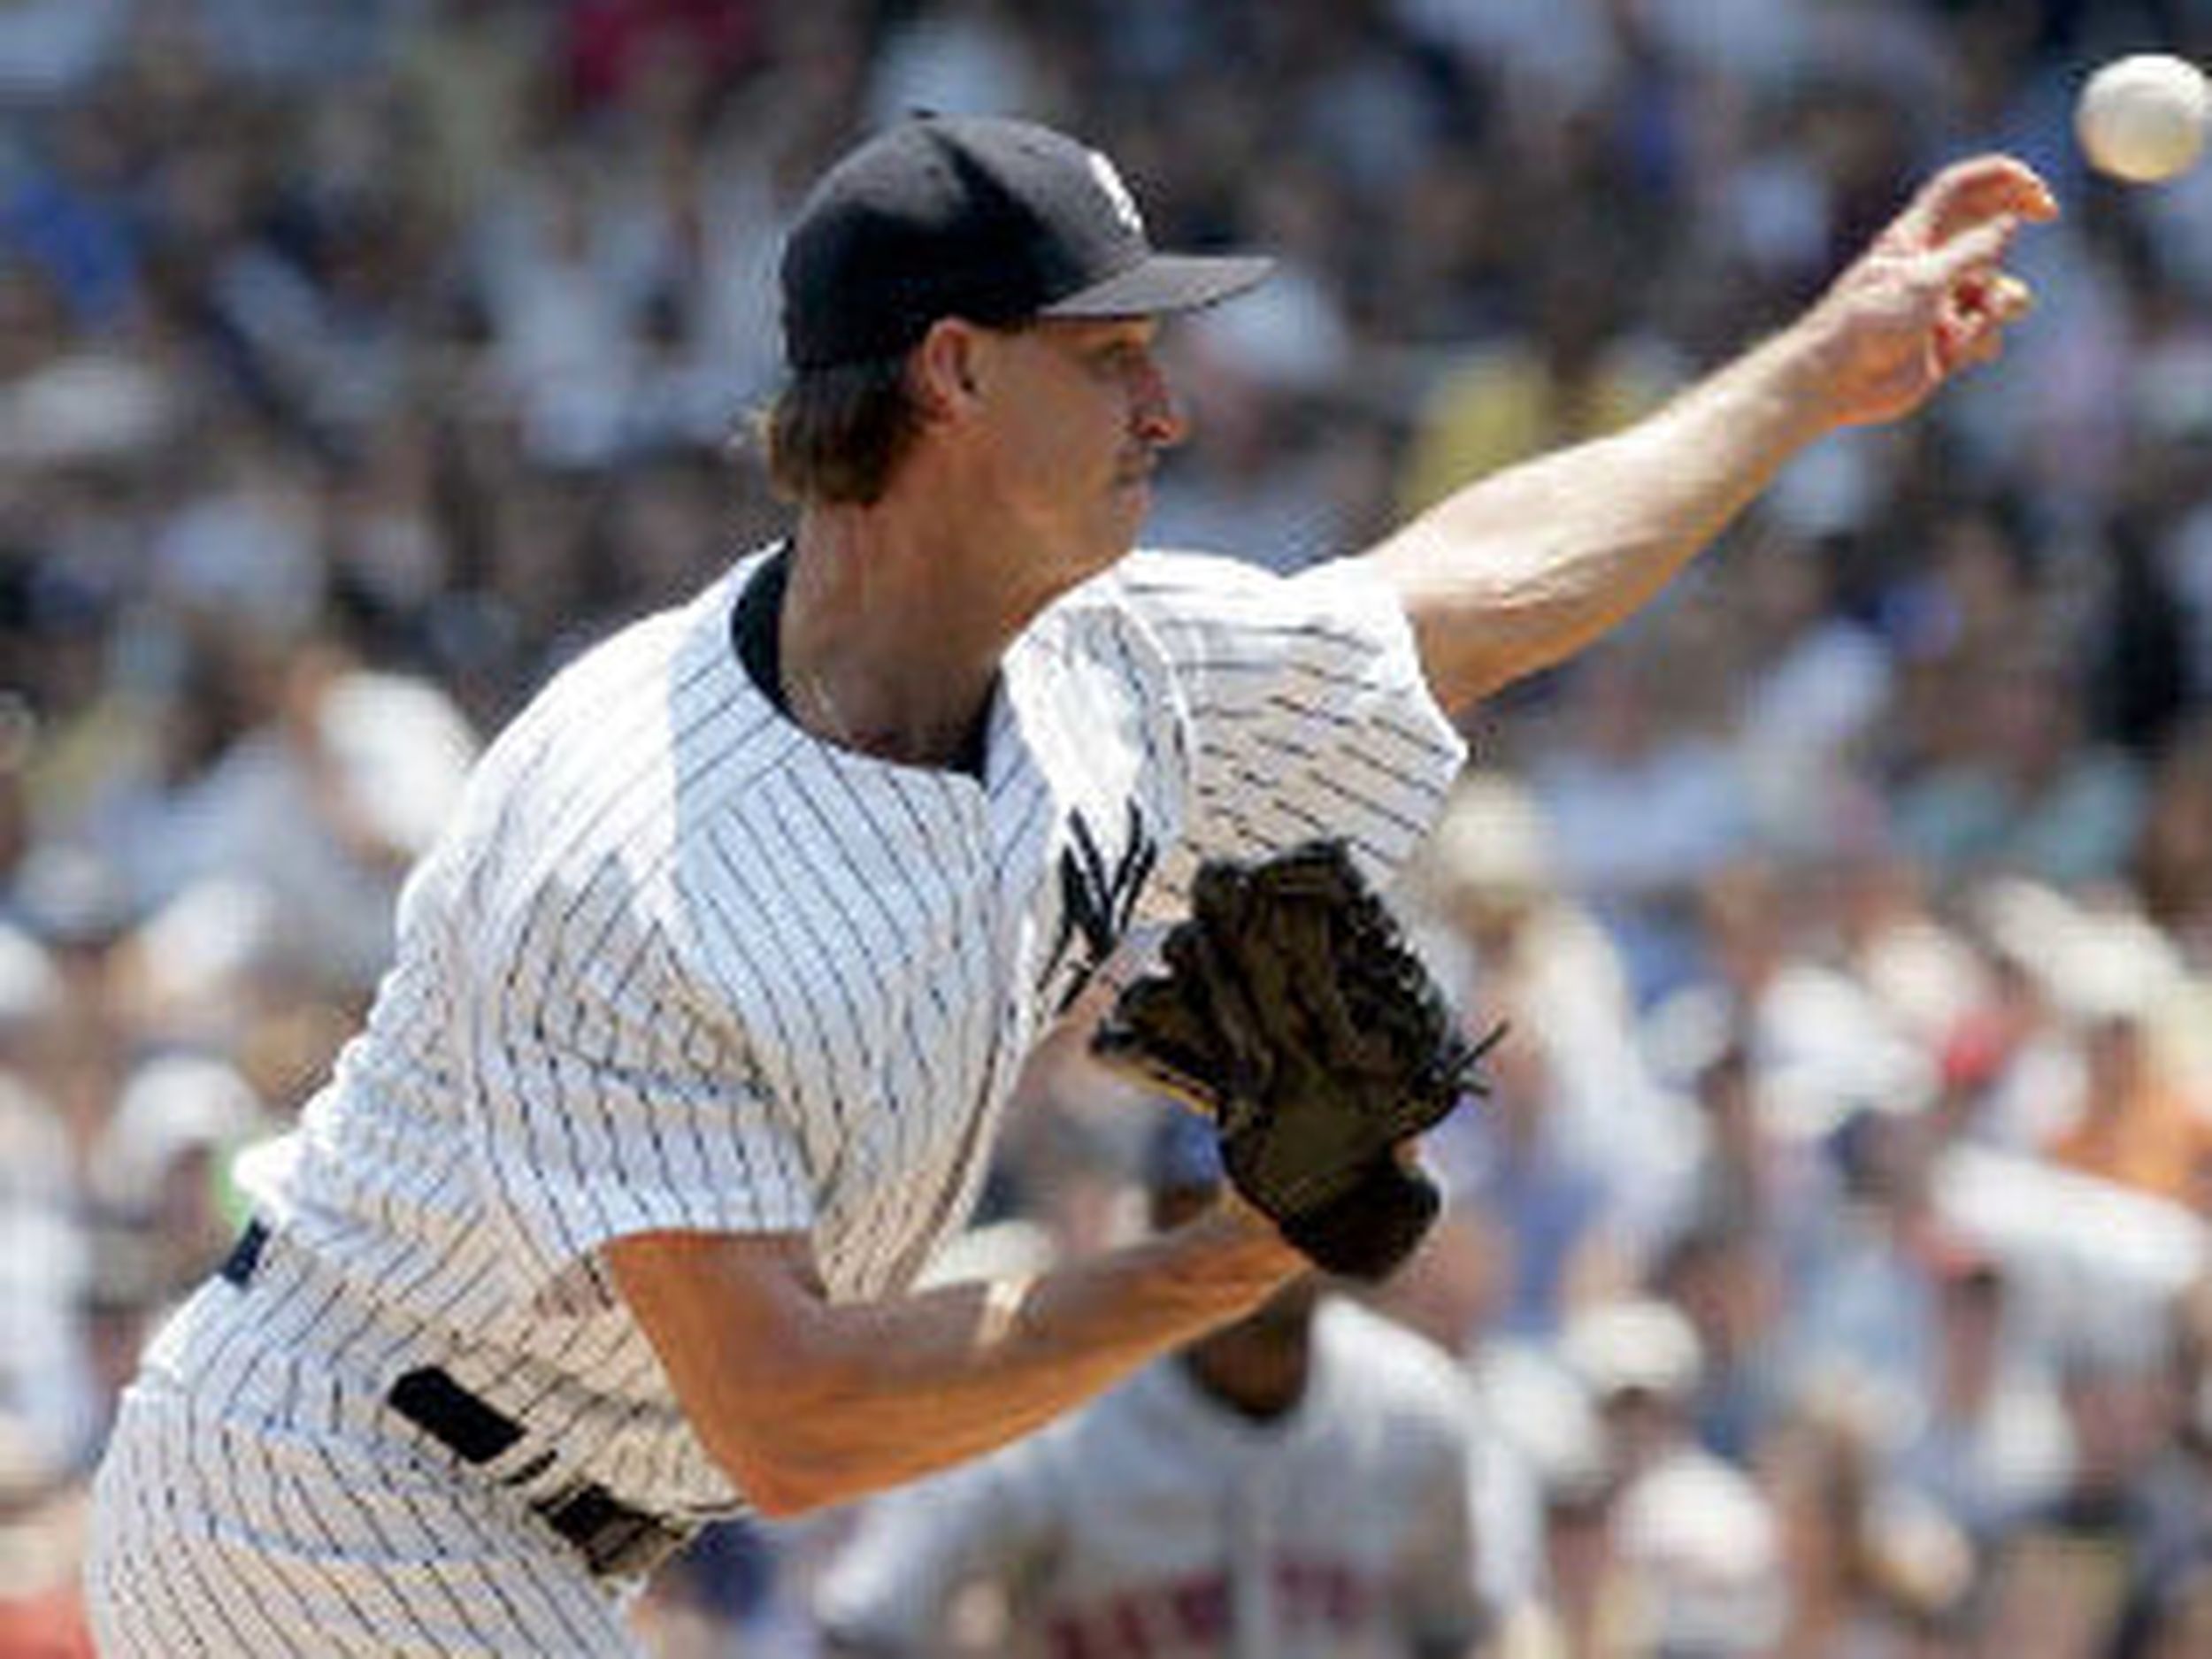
(1129, 526)
(1103, 552)
(1070, 553)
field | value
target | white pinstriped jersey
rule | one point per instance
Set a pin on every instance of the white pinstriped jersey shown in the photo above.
(679, 964)
(1157, 1522)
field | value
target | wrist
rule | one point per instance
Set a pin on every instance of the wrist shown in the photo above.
(1243, 1243)
(1794, 380)
(1368, 1229)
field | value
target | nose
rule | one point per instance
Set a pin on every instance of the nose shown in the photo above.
(1158, 413)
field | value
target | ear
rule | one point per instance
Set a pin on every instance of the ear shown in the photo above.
(945, 370)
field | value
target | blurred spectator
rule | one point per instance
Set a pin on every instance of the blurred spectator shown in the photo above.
(1861, 1308)
(1514, 940)
(1920, 966)
(1723, 1276)
(161, 1165)
(1818, 1045)
(1258, 477)
(2064, 1576)
(1515, 1162)
(43, 1522)
(612, 45)
(1875, 1571)
(965, 58)
(469, 73)
(1748, 1178)
(50, 49)
(314, 813)
(1630, 758)
(45, 1387)
(2135, 1127)
(1818, 683)
(2028, 793)
(1568, 374)
(2172, 863)
(1697, 1545)
(1986, 1437)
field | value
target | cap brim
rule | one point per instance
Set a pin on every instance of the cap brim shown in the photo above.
(1166, 283)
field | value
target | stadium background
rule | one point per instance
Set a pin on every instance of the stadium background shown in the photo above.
(361, 359)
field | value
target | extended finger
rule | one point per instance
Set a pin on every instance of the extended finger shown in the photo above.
(1993, 298)
(2008, 299)
(1968, 193)
(1977, 304)
(1970, 258)
(1971, 328)
(1217, 968)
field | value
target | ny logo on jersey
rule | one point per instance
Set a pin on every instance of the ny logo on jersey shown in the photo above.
(1096, 901)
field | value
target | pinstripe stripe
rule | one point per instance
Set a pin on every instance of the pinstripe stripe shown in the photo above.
(204, 1611)
(128, 1606)
(314, 1522)
(883, 999)
(919, 1037)
(302, 1518)
(719, 905)
(401, 1612)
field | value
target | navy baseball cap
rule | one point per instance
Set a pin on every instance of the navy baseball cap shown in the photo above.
(986, 217)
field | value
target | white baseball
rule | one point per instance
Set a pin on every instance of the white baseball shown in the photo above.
(2144, 118)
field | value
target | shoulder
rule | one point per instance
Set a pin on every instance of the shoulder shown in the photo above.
(597, 746)
(1150, 588)
(632, 661)
(1156, 571)
(1154, 577)
(652, 664)
(1199, 606)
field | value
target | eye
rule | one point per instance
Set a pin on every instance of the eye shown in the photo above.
(1123, 360)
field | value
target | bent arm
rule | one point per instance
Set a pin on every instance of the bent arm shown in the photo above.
(1522, 569)
(805, 1402)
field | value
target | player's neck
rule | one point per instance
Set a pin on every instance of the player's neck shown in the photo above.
(1258, 1386)
(885, 649)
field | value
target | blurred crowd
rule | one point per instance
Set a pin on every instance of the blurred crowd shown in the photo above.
(1828, 1263)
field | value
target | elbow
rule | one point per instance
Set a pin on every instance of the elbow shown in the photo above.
(777, 1495)
(1461, 676)
(771, 1385)
(778, 1483)
(789, 1458)
(1473, 683)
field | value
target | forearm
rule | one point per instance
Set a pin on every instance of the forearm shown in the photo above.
(807, 1402)
(911, 1385)
(1524, 568)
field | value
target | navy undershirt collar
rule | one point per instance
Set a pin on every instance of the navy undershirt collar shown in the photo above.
(757, 638)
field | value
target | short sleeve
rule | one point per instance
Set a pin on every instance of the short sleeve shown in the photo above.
(1308, 710)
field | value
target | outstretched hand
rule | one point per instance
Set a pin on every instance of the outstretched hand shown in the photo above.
(1929, 296)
